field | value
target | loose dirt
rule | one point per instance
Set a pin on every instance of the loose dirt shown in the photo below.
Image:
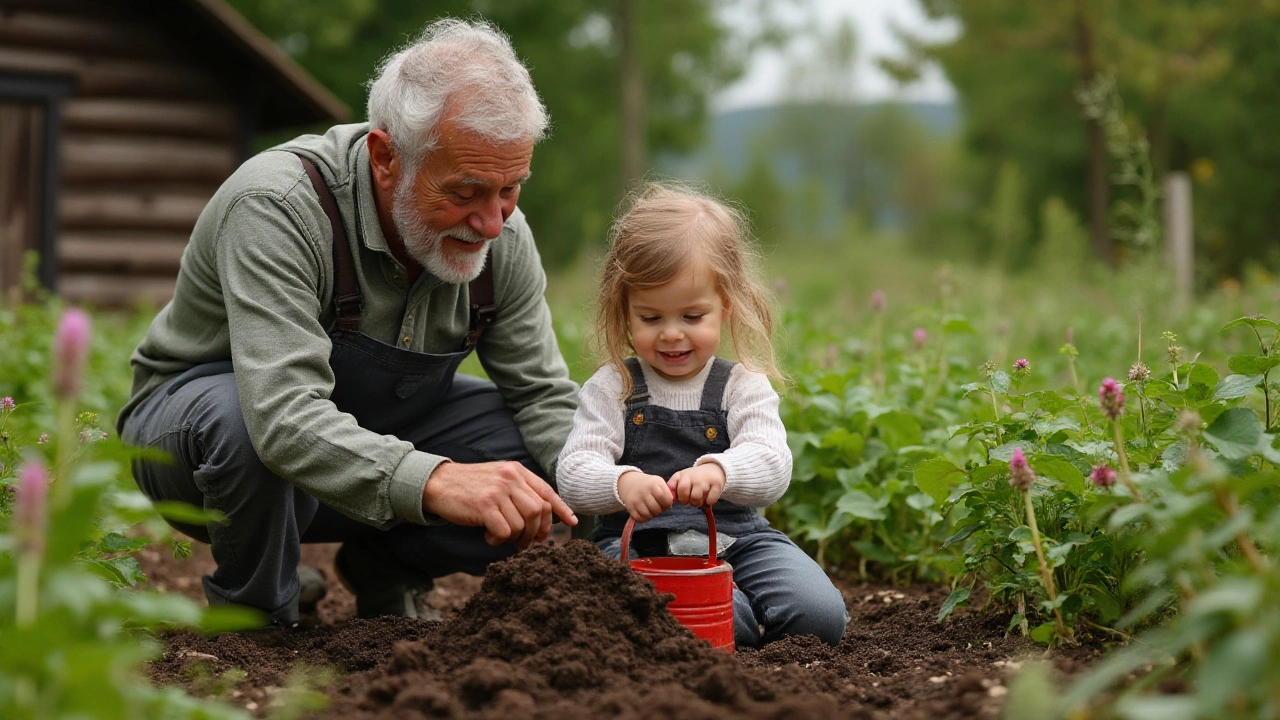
(565, 632)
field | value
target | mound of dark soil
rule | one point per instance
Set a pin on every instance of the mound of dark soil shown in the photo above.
(567, 632)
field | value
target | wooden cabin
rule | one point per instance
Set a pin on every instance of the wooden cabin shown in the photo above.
(118, 121)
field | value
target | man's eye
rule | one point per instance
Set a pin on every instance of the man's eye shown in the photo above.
(464, 195)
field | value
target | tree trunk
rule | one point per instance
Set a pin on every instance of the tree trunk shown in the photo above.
(1098, 188)
(633, 100)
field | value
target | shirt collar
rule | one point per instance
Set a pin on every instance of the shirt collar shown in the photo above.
(366, 208)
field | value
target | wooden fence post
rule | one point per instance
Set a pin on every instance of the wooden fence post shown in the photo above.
(1178, 242)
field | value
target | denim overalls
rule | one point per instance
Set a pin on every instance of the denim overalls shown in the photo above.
(778, 589)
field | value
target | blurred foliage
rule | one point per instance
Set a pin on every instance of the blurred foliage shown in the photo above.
(571, 48)
(1198, 79)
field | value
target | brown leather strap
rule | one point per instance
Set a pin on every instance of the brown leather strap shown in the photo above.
(346, 291)
(483, 310)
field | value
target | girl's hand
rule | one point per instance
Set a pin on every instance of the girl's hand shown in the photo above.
(698, 485)
(645, 496)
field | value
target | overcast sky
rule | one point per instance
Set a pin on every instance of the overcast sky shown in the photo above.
(764, 81)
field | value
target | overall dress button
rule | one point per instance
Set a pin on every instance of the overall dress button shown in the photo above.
(638, 418)
(711, 433)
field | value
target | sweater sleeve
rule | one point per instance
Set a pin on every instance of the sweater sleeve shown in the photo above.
(757, 465)
(587, 471)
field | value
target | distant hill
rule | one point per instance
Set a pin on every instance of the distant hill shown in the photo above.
(730, 134)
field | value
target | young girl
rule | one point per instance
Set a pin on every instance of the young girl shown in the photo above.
(672, 428)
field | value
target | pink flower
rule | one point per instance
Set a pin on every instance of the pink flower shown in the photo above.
(7, 403)
(920, 337)
(1022, 365)
(879, 301)
(29, 507)
(1021, 476)
(1111, 398)
(1103, 476)
(70, 350)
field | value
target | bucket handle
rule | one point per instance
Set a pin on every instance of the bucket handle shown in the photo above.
(711, 535)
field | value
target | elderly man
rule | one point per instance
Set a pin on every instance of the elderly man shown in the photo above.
(303, 377)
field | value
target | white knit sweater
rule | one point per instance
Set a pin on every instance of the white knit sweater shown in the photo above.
(757, 465)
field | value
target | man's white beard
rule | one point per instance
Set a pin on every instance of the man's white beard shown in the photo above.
(426, 245)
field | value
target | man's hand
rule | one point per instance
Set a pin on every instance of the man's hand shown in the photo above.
(698, 485)
(645, 496)
(510, 502)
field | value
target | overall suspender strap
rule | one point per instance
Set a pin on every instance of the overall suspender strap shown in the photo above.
(639, 396)
(483, 310)
(346, 291)
(717, 379)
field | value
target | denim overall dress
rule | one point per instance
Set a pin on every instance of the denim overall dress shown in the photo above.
(778, 589)
(661, 441)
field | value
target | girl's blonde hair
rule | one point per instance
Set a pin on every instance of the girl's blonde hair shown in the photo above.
(666, 226)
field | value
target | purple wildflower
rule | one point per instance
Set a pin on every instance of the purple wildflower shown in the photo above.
(920, 337)
(1022, 365)
(7, 403)
(1021, 476)
(1103, 476)
(879, 301)
(1111, 398)
(29, 508)
(70, 350)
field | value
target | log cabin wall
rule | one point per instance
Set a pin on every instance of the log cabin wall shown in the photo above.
(150, 131)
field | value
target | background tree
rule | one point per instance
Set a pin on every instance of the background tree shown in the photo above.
(572, 47)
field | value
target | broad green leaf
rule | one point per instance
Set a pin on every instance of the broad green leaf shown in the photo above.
(1235, 433)
(1059, 469)
(875, 552)
(936, 477)
(1045, 428)
(1000, 382)
(981, 475)
(960, 535)
(954, 600)
(1237, 596)
(1005, 452)
(1252, 364)
(1235, 386)
(898, 429)
(859, 504)
(1201, 374)
(1051, 402)
(1042, 633)
(1233, 665)
(1258, 322)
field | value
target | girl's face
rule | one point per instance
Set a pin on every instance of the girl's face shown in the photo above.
(676, 327)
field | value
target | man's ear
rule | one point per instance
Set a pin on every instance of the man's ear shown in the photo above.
(383, 161)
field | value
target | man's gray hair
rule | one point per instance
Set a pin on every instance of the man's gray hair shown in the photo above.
(467, 69)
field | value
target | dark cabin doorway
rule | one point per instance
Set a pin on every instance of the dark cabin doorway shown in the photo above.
(22, 143)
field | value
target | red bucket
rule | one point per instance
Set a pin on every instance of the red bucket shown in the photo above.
(703, 587)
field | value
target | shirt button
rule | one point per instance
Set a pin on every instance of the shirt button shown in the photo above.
(406, 340)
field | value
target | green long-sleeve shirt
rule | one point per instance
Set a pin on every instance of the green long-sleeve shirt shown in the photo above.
(256, 286)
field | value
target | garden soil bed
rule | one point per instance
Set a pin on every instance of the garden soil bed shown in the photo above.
(561, 631)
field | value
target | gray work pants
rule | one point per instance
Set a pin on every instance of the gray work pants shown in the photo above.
(199, 424)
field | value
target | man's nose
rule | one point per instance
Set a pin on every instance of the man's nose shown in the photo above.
(489, 218)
